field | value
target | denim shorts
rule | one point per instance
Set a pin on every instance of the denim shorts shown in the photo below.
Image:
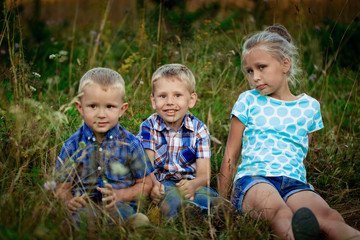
(284, 185)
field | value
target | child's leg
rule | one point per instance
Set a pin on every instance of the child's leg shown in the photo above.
(263, 200)
(222, 211)
(86, 217)
(171, 201)
(259, 197)
(89, 216)
(121, 212)
(204, 196)
(330, 221)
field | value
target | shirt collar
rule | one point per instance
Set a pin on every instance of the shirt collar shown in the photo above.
(160, 124)
(110, 135)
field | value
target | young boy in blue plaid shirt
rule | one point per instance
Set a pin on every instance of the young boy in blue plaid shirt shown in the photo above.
(102, 161)
(178, 144)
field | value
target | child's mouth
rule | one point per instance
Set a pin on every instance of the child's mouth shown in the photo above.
(170, 111)
(260, 87)
(102, 124)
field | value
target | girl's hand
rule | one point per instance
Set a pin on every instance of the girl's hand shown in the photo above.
(109, 195)
(77, 202)
(157, 193)
(187, 188)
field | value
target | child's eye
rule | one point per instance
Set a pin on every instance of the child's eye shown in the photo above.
(249, 71)
(92, 106)
(162, 96)
(110, 106)
(261, 67)
(177, 95)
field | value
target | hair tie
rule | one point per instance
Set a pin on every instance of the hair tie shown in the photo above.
(280, 30)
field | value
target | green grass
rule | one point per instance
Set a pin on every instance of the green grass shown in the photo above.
(38, 114)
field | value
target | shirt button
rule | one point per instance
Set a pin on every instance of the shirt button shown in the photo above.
(100, 149)
(111, 137)
(93, 139)
(99, 168)
(88, 138)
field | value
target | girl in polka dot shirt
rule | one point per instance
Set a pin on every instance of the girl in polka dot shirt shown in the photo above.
(276, 128)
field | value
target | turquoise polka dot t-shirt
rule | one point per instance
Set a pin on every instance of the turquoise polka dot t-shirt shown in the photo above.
(275, 139)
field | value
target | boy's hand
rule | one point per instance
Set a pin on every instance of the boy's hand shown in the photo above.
(109, 195)
(77, 202)
(157, 192)
(188, 188)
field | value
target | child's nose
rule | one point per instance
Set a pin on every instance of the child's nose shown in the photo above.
(170, 100)
(256, 76)
(101, 112)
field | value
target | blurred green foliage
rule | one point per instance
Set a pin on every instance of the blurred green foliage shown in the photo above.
(340, 41)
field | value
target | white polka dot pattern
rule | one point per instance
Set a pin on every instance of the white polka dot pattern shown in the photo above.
(275, 140)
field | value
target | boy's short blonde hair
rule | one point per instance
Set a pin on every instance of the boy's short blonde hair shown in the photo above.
(174, 70)
(105, 77)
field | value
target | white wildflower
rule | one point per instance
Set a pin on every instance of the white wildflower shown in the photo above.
(63, 53)
(36, 74)
(50, 185)
(32, 88)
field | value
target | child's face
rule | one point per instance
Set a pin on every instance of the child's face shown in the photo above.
(171, 100)
(101, 108)
(267, 74)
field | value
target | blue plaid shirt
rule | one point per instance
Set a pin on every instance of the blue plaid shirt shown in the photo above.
(175, 152)
(118, 160)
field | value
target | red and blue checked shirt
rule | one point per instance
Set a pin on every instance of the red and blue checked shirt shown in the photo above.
(119, 159)
(175, 152)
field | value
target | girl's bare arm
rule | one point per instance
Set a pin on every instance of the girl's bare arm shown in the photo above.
(231, 156)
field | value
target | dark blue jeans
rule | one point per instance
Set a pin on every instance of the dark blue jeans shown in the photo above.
(96, 213)
(172, 198)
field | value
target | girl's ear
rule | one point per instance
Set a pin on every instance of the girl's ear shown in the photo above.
(286, 64)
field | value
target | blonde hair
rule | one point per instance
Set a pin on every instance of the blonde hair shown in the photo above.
(105, 77)
(277, 42)
(175, 70)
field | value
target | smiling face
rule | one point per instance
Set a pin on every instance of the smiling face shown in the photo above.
(267, 74)
(101, 108)
(171, 99)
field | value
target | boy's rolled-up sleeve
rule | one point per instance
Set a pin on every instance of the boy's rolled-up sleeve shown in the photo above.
(140, 165)
(203, 143)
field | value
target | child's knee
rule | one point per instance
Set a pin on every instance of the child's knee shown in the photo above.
(282, 213)
(330, 214)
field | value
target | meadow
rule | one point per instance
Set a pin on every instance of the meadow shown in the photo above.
(42, 60)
